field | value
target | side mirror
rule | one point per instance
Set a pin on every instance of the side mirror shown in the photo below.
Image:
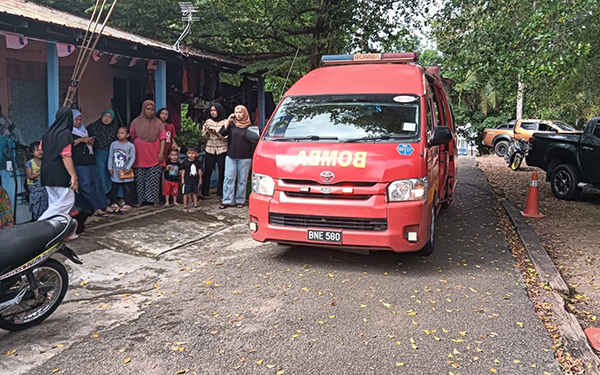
(441, 135)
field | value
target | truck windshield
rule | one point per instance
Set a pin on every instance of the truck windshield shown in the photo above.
(346, 118)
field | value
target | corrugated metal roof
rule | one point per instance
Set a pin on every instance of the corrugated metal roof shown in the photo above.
(52, 16)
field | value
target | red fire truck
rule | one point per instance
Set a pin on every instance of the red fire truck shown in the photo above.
(359, 155)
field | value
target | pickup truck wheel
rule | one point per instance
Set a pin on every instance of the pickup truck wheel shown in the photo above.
(501, 148)
(564, 182)
(427, 250)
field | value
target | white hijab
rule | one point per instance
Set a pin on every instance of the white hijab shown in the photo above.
(81, 131)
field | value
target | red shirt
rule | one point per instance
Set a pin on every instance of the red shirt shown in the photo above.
(67, 151)
(146, 153)
(170, 137)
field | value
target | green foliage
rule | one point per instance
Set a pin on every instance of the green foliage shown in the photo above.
(268, 33)
(489, 45)
(190, 134)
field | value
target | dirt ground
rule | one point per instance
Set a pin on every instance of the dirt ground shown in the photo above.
(570, 232)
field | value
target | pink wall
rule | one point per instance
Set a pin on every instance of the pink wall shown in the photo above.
(96, 87)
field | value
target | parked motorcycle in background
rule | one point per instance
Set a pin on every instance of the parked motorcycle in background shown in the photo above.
(516, 153)
(32, 285)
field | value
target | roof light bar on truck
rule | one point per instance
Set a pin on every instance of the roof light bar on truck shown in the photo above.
(358, 58)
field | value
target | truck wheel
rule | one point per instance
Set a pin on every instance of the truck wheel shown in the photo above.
(564, 182)
(501, 148)
(427, 250)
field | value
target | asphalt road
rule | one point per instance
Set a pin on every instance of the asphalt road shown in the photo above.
(229, 305)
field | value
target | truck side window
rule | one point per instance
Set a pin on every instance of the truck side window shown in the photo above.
(429, 116)
(597, 130)
(544, 127)
(439, 108)
(529, 125)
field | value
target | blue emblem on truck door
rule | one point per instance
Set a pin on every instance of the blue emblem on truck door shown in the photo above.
(405, 150)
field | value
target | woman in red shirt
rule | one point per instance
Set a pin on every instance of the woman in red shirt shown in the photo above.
(149, 138)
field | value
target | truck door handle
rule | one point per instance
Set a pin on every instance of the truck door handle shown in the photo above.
(586, 148)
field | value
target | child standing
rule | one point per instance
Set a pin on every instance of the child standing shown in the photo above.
(38, 196)
(192, 170)
(172, 177)
(121, 157)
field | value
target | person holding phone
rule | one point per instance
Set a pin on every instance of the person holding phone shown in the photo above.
(216, 149)
(238, 161)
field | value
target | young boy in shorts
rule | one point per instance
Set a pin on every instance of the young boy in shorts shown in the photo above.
(172, 178)
(190, 177)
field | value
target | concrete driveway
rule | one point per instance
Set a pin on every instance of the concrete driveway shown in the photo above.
(171, 293)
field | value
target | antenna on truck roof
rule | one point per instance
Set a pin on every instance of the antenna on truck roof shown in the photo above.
(288, 75)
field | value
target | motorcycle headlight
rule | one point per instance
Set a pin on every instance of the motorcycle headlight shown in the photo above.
(414, 189)
(263, 185)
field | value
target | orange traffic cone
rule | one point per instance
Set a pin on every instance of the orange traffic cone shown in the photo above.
(531, 208)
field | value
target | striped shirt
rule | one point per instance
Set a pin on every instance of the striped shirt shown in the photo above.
(216, 144)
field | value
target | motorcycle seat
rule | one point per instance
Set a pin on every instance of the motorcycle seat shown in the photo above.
(21, 243)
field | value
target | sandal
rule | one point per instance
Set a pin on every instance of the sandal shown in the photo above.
(223, 205)
(100, 213)
(156, 205)
(239, 205)
(185, 209)
(126, 208)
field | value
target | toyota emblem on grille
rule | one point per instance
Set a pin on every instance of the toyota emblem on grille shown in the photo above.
(327, 176)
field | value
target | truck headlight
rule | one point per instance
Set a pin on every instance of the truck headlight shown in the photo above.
(414, 189)
(263, 185)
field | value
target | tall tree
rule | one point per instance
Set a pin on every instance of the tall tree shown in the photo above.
(548, 45)
(269, 33)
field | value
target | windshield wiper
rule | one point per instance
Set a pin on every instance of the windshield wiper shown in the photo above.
(308, 138)
(373, 138)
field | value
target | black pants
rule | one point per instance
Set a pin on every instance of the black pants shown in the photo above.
(209, 165)
(128, 192)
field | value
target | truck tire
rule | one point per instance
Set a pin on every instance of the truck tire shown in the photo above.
(564, 180)
(501, 148)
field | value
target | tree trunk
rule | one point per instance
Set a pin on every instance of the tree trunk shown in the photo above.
(520, 91)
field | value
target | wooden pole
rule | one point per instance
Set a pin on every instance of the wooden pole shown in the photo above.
(86, 52)
(85, 37)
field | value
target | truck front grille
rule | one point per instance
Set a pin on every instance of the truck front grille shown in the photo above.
(370, 225)
(327, 196)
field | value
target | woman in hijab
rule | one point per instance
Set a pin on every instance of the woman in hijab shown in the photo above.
(59, 175)
(90, 184)
(104, 132)
(239, 158)
(149, 139)
(216, 149)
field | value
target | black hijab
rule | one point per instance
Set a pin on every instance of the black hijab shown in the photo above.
(220, 112)
(59, 135)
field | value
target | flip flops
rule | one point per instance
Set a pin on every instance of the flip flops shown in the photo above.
(100, 213)
(223, 205)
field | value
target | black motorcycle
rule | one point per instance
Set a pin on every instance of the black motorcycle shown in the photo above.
(32, 285)
(516, 153)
